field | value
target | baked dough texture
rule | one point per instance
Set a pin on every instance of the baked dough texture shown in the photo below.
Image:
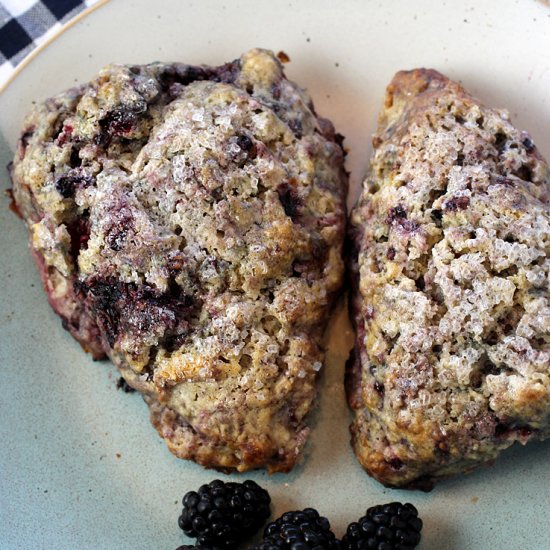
(188, 223)
(450, 267)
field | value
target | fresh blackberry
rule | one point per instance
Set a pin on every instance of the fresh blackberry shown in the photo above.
(224, 514)
(301, 530)
(393, 526)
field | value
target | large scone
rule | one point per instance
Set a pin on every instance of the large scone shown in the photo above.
(451, 265)
(188, 223)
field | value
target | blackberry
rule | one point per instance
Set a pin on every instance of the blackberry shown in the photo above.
(301, 530)
(224, 514)
(393, 526)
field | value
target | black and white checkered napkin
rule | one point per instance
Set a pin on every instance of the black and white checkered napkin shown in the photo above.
(25, 24)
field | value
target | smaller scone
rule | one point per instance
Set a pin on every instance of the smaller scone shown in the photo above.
(188, 223)
(450, 265)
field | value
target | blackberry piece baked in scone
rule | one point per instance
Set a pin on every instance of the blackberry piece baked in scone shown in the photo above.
(188, 223)
(450, 265)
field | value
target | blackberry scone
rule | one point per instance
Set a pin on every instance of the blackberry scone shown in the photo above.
(188, 223)
(450, 264)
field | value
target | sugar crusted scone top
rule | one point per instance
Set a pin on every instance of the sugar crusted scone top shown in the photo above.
(452, 232)
(201, 211)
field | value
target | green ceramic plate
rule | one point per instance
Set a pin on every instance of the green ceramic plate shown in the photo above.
(80, 465)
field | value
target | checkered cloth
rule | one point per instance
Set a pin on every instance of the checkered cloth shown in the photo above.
(25, 24)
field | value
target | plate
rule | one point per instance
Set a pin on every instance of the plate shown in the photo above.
(80, 465)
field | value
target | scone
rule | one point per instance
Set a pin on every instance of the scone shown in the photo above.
(188, 223)
(450, 267)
